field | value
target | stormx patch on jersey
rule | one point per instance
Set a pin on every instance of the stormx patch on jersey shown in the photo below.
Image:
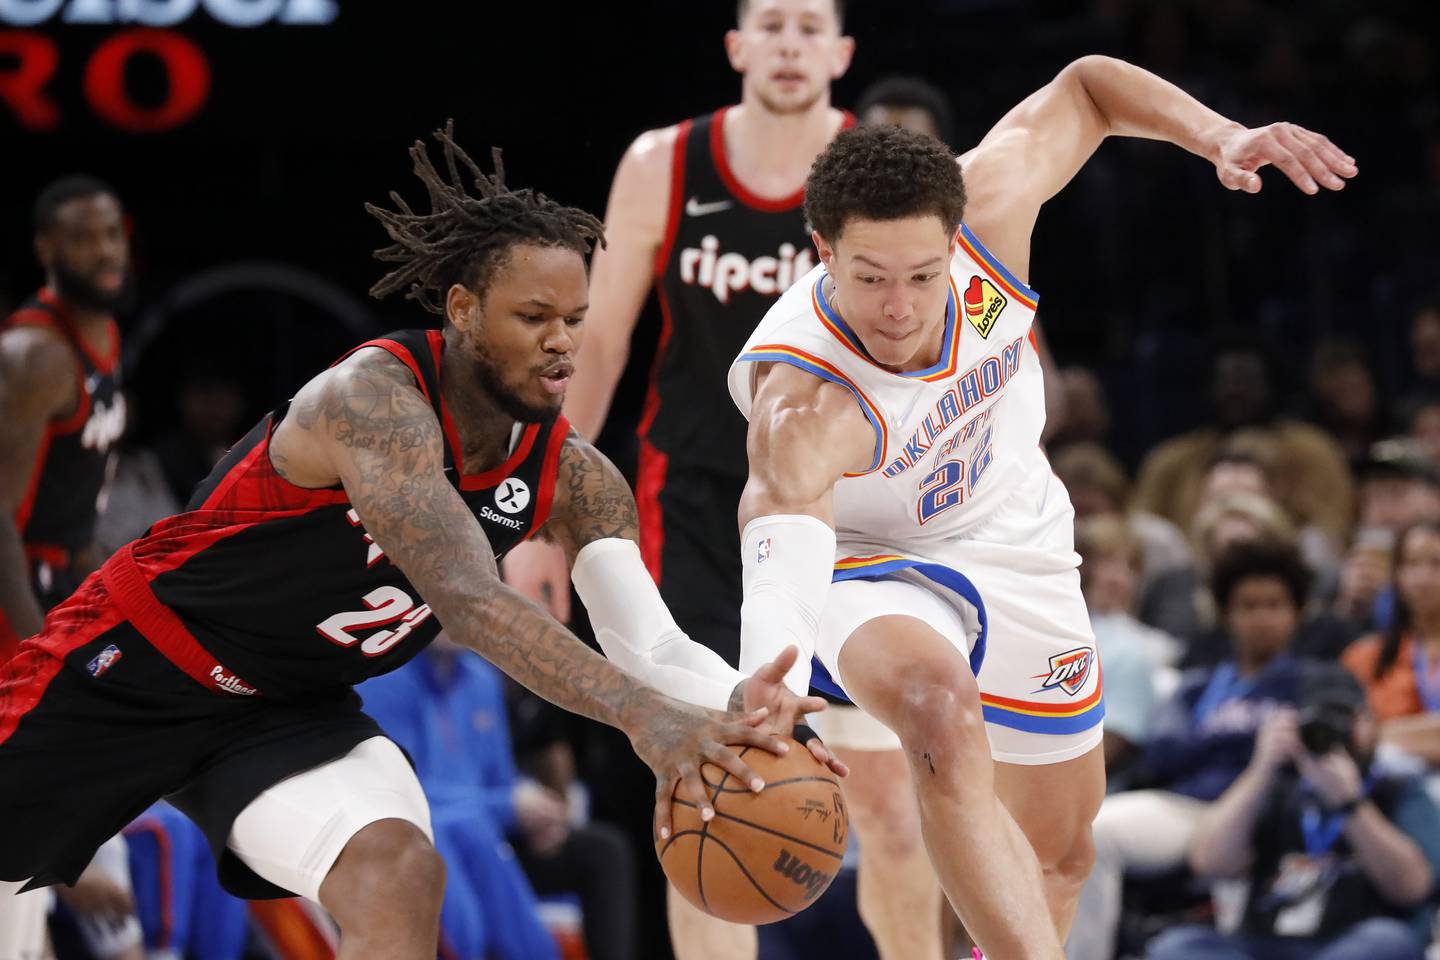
(104, 660)
(514, 523)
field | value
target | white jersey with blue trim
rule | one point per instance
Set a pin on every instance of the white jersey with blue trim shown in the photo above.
(951, 441)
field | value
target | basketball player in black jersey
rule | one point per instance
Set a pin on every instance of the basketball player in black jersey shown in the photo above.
(707, 212)
(60, 406)
(211, 661)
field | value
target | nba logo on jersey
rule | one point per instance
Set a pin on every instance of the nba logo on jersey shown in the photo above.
(1068, 670)
(104, 660)
(983, 304)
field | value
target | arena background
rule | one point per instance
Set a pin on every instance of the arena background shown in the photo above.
(244, 164)
(1137, 261)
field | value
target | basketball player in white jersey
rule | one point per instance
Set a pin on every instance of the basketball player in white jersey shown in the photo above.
(895, 409)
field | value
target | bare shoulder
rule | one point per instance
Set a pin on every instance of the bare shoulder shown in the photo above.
(37, 371)
(368, 403)
(796, 411)
(652, 152)
(640, 195)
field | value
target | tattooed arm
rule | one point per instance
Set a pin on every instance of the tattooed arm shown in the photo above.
(594, 522)
(365, 422)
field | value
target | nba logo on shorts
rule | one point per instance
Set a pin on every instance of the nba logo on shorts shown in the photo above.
(104, 660)
(762, 551)
(1068, 670)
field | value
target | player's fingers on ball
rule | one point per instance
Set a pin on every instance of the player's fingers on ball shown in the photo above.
(756, 717)
(664, 791)
(812, 704)
(730, 761)
(692, 788)
(751, 737)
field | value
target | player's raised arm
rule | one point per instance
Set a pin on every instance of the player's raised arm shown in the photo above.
(377, 432)
(37, 377)
(805, 434)
(1042, 142)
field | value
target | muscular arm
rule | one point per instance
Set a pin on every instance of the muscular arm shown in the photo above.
(1039, 146)
(621, 275)
(805, 434)
(37, 383)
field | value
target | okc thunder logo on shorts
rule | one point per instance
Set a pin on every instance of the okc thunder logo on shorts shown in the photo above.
(104, 660)
(1068, 671)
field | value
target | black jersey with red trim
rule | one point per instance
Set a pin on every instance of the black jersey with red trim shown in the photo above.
(727, 256)
(263, 587)
(57, 515)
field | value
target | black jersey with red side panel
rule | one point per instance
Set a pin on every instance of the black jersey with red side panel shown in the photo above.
(263, 587)
(57, 516)
(727, 256)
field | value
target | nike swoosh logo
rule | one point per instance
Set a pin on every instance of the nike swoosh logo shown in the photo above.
(694, 208)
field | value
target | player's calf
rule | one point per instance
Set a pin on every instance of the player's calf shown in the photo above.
(385, 892)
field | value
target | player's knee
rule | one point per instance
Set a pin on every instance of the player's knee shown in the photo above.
(388, 867)
(939, 708)
(1067, 857)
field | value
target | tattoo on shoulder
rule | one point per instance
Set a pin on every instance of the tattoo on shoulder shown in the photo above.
(595, 501)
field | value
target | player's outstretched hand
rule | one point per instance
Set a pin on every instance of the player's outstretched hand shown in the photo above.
(1309, 159)
(675, 738)
(766, 688)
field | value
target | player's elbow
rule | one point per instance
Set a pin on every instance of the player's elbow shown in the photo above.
(782, 470)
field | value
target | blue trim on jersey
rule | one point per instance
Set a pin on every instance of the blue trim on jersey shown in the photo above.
(947, 343)
(994, 263)
(1055, 725)
(823, 374)
(947, 577)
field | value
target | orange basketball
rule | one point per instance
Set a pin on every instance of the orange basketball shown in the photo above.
(764, 856)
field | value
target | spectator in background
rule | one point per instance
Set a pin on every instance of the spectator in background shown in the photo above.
(447, 709)
(908, 102)
(1344, 399)
(1425, 348)
(1202, 738)
(1400, 668)
(1086, 414)
(1310, 477)
(1340, 858)
(1422, 424)
(1098, 487)
(1399, 487)
(1130, 652)
(1246, 465)
(212, 417)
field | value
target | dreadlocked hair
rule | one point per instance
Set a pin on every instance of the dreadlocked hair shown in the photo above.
(464, 238)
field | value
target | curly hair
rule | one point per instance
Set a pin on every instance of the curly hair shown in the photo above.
(465, 239)
(883, 172)
(1246, 561)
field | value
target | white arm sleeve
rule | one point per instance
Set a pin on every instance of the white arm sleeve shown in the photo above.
(637, 632)
(787, 561)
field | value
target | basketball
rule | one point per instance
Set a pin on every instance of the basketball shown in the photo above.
(764, 856)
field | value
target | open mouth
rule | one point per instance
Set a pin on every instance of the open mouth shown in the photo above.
(555, 379)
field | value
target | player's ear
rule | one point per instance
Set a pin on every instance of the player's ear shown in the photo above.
(840, 61)
(822, 249)
(462, 307)
(735, 50)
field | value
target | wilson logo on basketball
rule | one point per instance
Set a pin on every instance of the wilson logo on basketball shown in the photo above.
(1068, 670)
(983, 304)
(800, 873)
